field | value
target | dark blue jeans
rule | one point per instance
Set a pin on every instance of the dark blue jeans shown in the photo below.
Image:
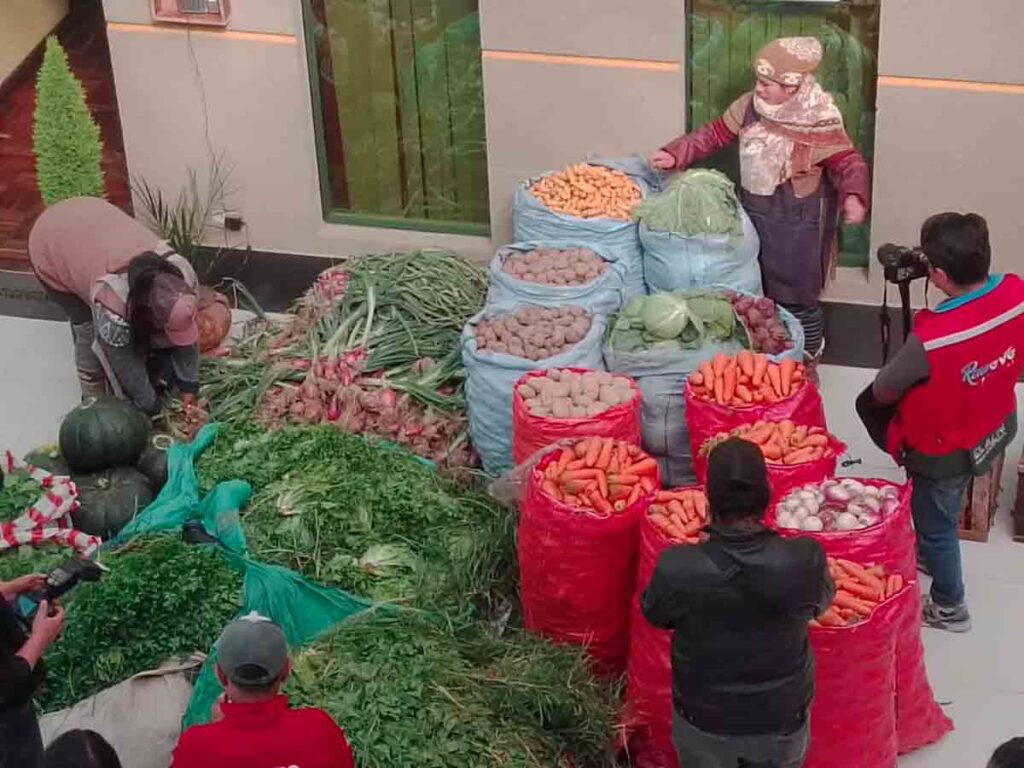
(936, 505)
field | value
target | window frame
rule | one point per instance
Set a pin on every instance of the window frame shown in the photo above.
(332, 215)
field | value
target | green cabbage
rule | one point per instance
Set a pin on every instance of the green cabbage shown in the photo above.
(695, 202)
(665, 315)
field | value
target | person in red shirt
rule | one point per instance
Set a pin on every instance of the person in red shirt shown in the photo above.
(252, 725)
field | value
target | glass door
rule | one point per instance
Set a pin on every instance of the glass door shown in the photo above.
(724, 35)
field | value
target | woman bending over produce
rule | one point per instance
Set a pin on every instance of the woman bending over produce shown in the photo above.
(131, 301)
(797, 167)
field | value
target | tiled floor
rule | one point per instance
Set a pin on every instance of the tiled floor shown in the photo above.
(980, 674)
(85, 40)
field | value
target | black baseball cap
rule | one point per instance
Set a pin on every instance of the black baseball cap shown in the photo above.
(252, 651)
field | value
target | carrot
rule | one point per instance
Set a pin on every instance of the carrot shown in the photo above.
(579, 474)
(861, 574)
(775, 379)
(593, 451)
(718, 363)
(644, 467)
(744, 393)
(602, 484)
(675, 507)
(819, 440)
(831, 619)
(745, 360)
(786, 375)
(616, 492)
(623, 479)
(580, 449)
(563, 460)
(696, 378)
(658, 519)
(760, 434)
(799, 456)
(693, 526)
(648, 484)
(605, 456)
(720, 390)
(786, 429)
(893, 585)
(772, 450)
(876, 570)
(634, 495)
(760, 368)
(700, 504)
(689, 508)
(729, 383)
(600, 503)
(846, 600)
(857, 589)
(551, 490)
(706, 373)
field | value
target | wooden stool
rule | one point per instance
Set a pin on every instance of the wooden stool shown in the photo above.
(980, 504)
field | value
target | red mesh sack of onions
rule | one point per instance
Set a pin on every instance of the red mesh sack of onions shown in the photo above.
(869, 521)
(797, 400)
(675, 517)
(794, 454)
(566, 403)
(577, 543)
(855, 644)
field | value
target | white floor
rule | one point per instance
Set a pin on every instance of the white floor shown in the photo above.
(980, 675)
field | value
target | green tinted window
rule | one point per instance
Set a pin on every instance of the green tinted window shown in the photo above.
(398, 96)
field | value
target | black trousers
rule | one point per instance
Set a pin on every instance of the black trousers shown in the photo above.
(21, 744)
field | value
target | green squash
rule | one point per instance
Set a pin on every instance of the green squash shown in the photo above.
(153, 461)
(102, 433)
(109, 499)
(48, 457)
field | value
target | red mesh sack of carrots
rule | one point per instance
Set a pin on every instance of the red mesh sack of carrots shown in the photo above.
(565, 403)
(853, 715)
(842, 516)
(577, 543)
(793, 454)
(675, 517)
(726, 392)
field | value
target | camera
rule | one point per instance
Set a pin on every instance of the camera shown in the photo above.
(902, 265)
(64, 578)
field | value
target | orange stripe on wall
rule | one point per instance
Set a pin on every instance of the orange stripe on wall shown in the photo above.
(583, 61)
(171, 29)
(949, 85)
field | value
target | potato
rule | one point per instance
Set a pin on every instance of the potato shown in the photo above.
(608, 395)
(578, 412)
(526, 391)
(561, 407)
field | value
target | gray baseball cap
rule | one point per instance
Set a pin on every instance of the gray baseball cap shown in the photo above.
(252, 651)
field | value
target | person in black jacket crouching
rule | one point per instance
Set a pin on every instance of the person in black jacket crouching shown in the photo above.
(738, 605)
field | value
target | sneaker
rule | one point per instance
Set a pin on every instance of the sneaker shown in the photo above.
(955, 619)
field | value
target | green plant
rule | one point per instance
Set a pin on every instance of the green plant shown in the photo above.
(101, 433)
(183, 222)
(109, 499)
(66, 139)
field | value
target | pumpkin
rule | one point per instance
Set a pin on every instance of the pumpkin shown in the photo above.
(48, 457)
(101, 433)
(213, 318)
(108, 500)
(153, 461)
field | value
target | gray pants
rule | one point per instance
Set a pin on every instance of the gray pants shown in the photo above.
(21, 745)
(92, 379)
(698, 749)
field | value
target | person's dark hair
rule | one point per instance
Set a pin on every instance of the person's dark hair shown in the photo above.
(737, 484)
(142, 271)
(80, 749)
(958, 244)
(1009, 755)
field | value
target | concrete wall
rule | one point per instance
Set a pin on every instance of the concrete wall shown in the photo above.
(23, 25)
(563, 80)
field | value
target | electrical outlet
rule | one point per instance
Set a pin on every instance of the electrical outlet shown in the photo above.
(230, 220)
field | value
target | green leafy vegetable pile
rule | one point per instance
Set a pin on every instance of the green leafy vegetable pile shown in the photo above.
(673, 320)
(160, 599)
(695, 202)
(28, 559)
(18, 493)
(412, 691)
(376, 523)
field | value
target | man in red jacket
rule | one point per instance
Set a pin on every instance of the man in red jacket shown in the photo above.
(953, 386)
(253, 727)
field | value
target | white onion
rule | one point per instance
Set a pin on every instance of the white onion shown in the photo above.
(812, 506)
(838, 494)
(853, 486)
(890, 505)
(871, 502)
(793, 503)
(890, 491)
(806, 494)
(812, 523)
(847, 521)
(868, 519)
